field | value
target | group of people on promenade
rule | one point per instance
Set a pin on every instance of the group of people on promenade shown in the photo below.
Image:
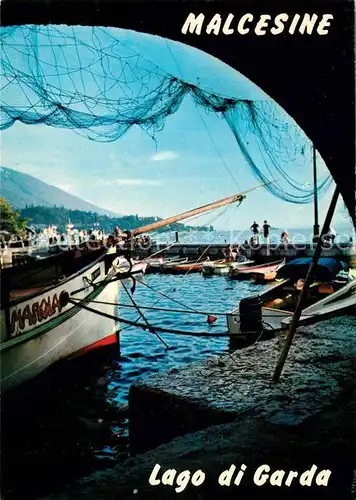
(141, 241)
(255, 228)
(284, 238)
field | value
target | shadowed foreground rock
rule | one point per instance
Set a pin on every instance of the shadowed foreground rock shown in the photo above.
(327, 441)
(309, 418)
(239, 387)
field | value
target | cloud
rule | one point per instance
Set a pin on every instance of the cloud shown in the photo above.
(164, 155)
(134, 182)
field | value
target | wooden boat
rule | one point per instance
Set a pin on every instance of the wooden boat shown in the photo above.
(155, 265)
(222, 267)
(251, 271)
(216, 267)
(183, 268)
(272, 310)
(38, 327)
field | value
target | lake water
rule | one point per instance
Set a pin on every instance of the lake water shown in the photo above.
(297, 236)
(73, 419)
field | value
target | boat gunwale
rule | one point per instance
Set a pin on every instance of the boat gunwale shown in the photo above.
(263, 266)
(20, 300)
(43, 328)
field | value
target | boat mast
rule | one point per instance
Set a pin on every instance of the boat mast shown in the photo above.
(196, 211)
(316, 228)
(185, 215)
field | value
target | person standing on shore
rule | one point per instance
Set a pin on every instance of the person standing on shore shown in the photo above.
(266, 227)
(285, 237)
(255, 228)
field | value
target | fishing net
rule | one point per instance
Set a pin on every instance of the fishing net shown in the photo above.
(88, 80)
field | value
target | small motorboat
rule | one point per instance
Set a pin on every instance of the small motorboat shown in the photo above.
(251, 272)
(333, 291)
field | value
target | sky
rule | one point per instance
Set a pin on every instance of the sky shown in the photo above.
(194, 160)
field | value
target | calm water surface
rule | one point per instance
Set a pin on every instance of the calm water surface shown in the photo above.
(142, 352)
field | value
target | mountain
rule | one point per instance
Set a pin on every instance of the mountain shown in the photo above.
(23, 189)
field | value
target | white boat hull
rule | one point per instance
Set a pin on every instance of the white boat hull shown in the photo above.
(38, 331)
(26, 360)
(337, 303)
(220, 270)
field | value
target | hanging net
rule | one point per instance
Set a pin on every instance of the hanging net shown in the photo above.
(87, 79)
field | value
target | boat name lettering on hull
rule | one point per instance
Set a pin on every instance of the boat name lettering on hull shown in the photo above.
(34, 313)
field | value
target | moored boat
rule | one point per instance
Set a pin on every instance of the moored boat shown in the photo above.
(264, 277)
(155, 265)
(332, 292)
(183, 268)
(262, 269)
(122, 265)
(66, 304)
(222, 267)
(219, 267)
(38, 327)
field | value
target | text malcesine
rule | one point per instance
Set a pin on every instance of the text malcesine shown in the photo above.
(303, 24)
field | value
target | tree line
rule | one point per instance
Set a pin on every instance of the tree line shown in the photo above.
(59, 216)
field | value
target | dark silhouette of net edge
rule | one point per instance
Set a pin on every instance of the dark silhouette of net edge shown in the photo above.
(87, 79)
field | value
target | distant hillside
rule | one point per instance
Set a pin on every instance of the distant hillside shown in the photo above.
(23, 190)
(44, 204)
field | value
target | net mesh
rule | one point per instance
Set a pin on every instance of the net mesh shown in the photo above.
(88, 80)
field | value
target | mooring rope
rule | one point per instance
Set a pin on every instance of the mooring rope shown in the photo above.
(153, 308)
(198, 259)
(127, 327)
(144, 326)
(181, 311)
(150, 327)
(168, 297)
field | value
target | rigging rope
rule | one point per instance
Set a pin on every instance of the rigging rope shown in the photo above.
(144, 326)
(168, 297)
(88, 80)
(150, 327)
(217, 214)
(215, 217)
(181, 311)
